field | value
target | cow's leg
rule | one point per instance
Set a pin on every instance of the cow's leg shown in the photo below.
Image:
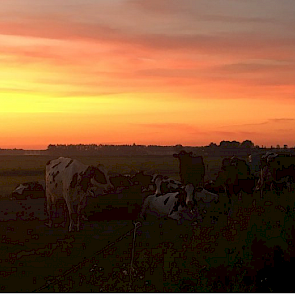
(72, 216)
(49, 210)
(65, 212)
(80, 213)
(81, 208)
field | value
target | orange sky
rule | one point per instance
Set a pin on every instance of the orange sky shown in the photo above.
(151, 72)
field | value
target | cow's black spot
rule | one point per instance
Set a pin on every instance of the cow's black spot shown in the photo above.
(84, 183)
(165, 202)
(54, 175)
(175, 207)
(55, 165)
(69, 163)
(74, 181)
(94, 172)
(181, 198)
(56, 185)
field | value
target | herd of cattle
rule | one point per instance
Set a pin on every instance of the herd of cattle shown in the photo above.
(73, 182)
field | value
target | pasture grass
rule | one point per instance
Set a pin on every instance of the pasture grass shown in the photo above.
(223, 257)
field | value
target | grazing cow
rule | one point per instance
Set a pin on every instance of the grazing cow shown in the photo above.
(145, 181)
(73, 181)
(191, 168)
(35, 190)
(235, 175)
(166, 185)
(120, 182)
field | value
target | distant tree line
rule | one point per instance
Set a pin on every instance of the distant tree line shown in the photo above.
(224, 149)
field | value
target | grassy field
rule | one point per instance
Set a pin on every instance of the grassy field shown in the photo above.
(224, 257)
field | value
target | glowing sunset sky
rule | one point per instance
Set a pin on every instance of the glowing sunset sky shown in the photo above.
(161, 72)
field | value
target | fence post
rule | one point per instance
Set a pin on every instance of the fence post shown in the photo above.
(136, 226)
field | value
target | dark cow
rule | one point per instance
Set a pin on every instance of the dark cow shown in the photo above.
(191, 168)
(34, 190)
(73, 181)
(236, 177)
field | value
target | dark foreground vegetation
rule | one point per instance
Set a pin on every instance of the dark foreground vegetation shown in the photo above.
(251, 251)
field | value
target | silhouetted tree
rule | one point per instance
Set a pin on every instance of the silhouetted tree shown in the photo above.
(229, 144)
(213, 145)
(247, 144)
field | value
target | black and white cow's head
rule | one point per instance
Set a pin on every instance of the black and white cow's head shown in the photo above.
(93, 180)
(194, 195)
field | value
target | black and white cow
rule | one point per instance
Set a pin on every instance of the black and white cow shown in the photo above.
(182, 205)
(34, 190)
(73, 181)
(163, 206)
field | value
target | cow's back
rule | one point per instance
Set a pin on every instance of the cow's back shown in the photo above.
(61, 175)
